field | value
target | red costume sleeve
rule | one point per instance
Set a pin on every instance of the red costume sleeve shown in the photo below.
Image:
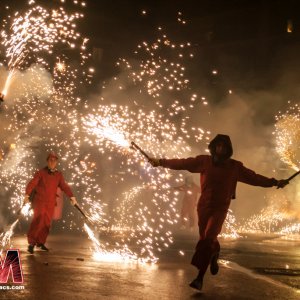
(250, 177)
(192, 164)
(33, 183)
(65, 187)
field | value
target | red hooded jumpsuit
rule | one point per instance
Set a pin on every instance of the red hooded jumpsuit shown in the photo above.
(218, 184)
(45, 184)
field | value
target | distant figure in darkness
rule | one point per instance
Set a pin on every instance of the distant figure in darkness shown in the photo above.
(219, 177)
(189, 201)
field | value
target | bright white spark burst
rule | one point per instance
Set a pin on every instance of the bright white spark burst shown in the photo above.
(287, 135)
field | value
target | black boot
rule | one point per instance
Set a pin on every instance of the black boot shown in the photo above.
(214, 267)
(43, 247)
(197, 283)
(30, 249)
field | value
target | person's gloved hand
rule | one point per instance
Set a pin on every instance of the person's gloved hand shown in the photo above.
(73, 201)
(26, 199)
(282, 183)
(155, 162)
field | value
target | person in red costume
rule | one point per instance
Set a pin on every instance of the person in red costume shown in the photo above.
(219, 177)
(189, 201)
(45, 184)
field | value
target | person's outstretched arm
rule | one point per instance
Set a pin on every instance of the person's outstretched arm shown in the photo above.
(250, 177)
(192, 164)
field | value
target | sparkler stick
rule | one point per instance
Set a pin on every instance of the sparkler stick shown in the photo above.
(81, 211)
(136, 147)
(293, 176)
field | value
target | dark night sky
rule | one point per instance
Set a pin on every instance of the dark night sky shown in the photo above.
(241, 37)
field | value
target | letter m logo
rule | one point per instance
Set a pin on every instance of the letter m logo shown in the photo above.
(11, 265)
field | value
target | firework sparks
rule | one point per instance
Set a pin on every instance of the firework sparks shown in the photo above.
(43, 85)
(230, 227)
(35, 36)
(287, 135)
(104, 128)
(101, 254)
(5, 237)
(35, 47)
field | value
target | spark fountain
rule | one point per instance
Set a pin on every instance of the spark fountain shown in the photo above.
(40, 92)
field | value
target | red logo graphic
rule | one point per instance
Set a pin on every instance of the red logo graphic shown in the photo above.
(11, 264)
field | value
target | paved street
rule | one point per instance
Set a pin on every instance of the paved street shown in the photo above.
(69, 272)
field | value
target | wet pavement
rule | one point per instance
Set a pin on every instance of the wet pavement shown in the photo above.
(68, 271)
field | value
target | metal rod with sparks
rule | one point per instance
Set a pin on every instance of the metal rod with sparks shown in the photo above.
(81, 211)
(136, 147)
(293, 176)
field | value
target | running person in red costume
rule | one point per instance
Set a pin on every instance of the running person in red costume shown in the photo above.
(219, 177)
(45, 184)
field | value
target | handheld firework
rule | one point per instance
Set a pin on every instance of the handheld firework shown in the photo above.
(1, 98)
(293, 176)
(81, 211)
(136, 147)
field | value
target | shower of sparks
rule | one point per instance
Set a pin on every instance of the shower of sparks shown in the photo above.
(25, 210)
(230, 230)
(46, 60)
(148, 222)
(290, 230)
(45, 114)
(105, 127)
(146, 212)
(116, 126)
(48, 111)
(280, 217)
(100, 253)
(267, 221)
(160, 64)
(36, 36)
(287, 136)
(5, 237)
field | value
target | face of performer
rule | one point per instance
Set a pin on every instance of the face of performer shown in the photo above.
(52, 163)
(221, 149)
